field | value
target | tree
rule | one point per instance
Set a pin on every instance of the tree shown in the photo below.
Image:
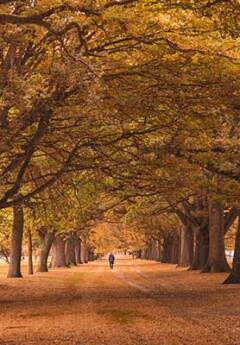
(47, 237)
(14, 270)
(234, 277)
(138, 106)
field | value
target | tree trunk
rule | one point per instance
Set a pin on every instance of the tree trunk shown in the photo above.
(86, 250)
(165, 249)
(84, 254)
(151, 251)
(204, 247)
(80, 252)
(234, 277)
(30, 258)
(91, 254)
(196, 256)
(159, 250)
(186, 247)
(143, 254)
(174, 250)
(170, 248)
(146, 256)
(70, 251)
(47, 239)
(217, 261)
(14, 270)
(172, 258)
(155, 252)
(201, 249)
(77, 249)
(58, 255)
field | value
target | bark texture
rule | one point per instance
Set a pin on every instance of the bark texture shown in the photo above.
(217, 261)
(70, 251)
(58, 253)
(14, 270)
(171, 248)
(47, 240)
(201, 251)
(84, 251)
(77, 249)
(186, 246)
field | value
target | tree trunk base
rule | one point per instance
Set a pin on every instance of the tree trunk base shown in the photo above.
(215, 268)
(231, 279)
(193, 269)
(39, 270)
(17, 275)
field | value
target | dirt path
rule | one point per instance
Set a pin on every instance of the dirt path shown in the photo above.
(138, 303)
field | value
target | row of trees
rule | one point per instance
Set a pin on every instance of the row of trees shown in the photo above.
(137, 99)
(59, 228)
(189, 237)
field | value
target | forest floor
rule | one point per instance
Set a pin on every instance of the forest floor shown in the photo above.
(138, 303)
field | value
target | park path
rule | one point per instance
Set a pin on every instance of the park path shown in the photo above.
(138, 303)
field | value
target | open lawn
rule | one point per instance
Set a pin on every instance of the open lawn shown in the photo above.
(138, 303)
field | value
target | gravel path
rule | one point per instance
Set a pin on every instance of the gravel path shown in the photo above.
(138, 303)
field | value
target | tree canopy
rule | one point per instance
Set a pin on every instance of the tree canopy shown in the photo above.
(110, 109)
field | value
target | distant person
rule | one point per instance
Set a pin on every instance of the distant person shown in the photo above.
(111, 260)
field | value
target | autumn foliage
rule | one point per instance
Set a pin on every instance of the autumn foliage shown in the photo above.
(120, 111)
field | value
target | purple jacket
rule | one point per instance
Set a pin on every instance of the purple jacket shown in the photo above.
(111, 258)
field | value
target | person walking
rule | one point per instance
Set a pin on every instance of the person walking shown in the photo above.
(111, 260)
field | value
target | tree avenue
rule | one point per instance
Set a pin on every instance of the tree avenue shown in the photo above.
(119, 124)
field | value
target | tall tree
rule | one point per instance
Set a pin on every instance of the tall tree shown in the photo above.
(14, 270)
